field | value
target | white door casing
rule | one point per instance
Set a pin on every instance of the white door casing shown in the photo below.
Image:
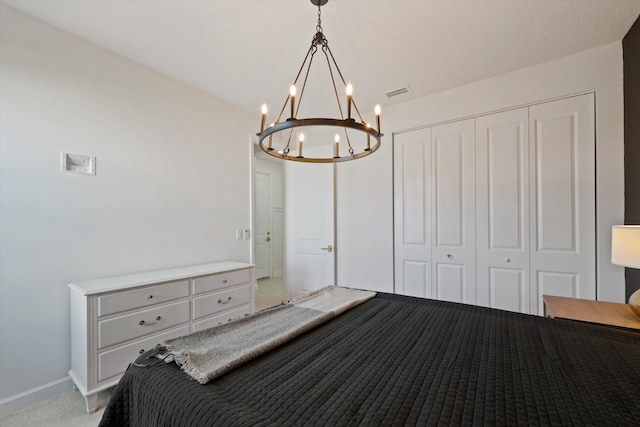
(502, 210)
(453, 218)
(562, 197)
(310, 226)
(277, 242)
(263, 221)
(412, 206)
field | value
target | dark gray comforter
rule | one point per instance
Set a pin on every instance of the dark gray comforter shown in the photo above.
(397, 360)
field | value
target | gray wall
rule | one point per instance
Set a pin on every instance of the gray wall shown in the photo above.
(172, 185)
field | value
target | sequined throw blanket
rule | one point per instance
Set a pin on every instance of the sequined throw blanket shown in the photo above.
(209, 353)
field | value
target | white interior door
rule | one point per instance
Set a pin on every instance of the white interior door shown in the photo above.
(412, 212)
(502, 210)
(309, 217)
(562, 164)
(453, 218)
(262, 232)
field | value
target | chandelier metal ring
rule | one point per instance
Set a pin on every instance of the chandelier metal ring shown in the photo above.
(340, 123)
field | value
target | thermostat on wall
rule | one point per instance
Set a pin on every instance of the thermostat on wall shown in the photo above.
(76, 163)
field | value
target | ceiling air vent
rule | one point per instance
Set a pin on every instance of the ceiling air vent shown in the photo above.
(399, 91)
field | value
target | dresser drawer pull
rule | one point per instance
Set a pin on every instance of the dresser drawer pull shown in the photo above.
(224, 302)
(142, 351)
(224, 281)
(143, 323)
(220, 323)
(150, 297)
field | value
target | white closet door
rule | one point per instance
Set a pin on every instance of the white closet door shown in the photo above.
(562, 162)
(502, 210)
(453, 214)
(412, 211)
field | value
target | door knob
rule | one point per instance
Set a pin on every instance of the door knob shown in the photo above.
(268, 239)
(329, 248)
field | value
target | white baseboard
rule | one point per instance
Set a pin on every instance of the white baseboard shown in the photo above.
(36, 394)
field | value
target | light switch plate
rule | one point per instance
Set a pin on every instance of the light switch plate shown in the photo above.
(76, 163)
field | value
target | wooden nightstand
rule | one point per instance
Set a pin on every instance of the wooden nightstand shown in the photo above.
(608, 313)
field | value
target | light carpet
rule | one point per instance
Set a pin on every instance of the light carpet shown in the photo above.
(63, 410)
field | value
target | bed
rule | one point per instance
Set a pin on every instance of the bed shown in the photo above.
(398, 360)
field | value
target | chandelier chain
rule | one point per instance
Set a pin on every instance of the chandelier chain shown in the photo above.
(325, 49)
(344, 82)
(319, 26)
(333, 81)
(313, 51)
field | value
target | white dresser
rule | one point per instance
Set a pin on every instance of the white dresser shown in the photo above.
(115, 319)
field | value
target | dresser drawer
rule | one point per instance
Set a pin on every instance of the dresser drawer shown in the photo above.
(220, 281)
(141, 323)
(142, 297)
(114, 362)
(220, 301)
(220, 319)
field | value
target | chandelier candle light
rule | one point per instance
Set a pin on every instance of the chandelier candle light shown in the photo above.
(348, 124)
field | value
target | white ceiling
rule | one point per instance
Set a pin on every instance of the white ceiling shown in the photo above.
(248, 51)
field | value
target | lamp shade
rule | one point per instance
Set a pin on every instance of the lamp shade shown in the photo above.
(625, 245)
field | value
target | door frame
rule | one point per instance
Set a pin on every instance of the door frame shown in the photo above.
(253, 142)
(598, 242)
(269, 212)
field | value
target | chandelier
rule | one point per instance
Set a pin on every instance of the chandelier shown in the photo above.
(290, 129)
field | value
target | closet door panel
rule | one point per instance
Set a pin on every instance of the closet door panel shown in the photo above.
(556, 189)
(502, 210)
(507, 289)
(412, 212)
(559, 284)
(450, 281)
(453, 231)
(415, 279)
(449, 171)
(562, 161)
